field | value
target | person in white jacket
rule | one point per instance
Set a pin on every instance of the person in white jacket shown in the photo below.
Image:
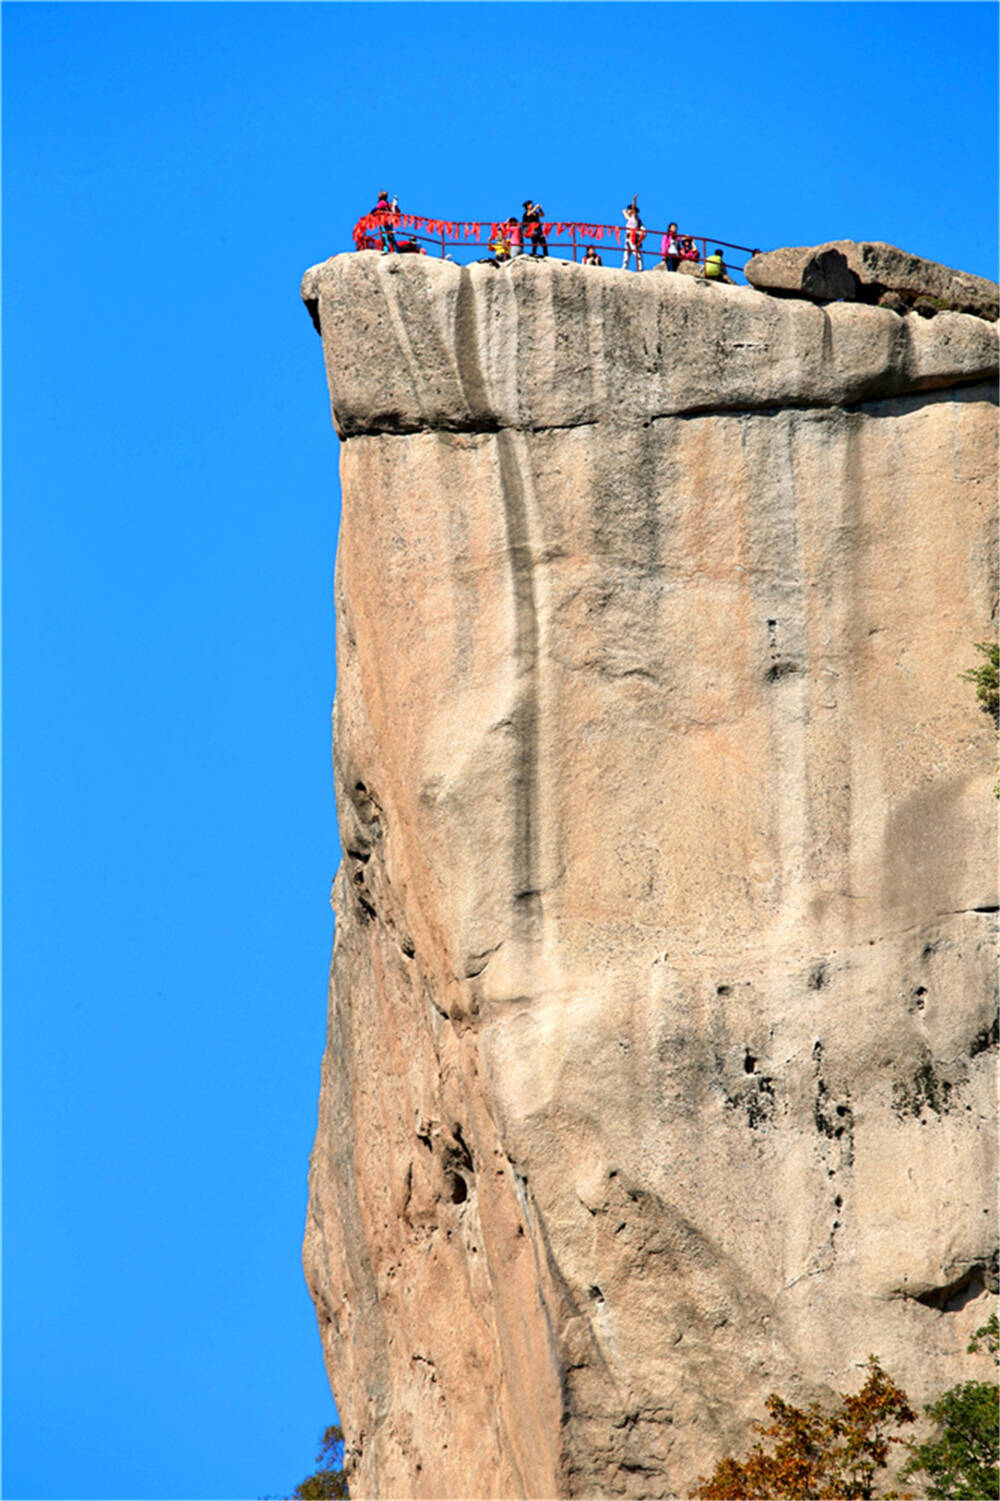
(634, 234)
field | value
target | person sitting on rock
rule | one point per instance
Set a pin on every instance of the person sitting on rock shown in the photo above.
(592, 258)
(386, 215)
(500, 247)
(689, 250)
(634, 234)
(715, 266)
(670, 247)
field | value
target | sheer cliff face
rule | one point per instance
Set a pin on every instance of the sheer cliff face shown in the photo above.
(662, 1016)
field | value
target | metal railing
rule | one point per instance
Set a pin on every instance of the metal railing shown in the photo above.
(408, 233)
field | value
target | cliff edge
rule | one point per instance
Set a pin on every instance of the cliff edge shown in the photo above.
(663, 1020)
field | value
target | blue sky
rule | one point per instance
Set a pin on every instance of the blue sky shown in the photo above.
(170, 515)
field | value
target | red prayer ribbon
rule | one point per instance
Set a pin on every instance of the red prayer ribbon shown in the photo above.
(370, 225)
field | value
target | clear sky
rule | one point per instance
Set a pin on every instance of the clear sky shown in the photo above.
(170, 515)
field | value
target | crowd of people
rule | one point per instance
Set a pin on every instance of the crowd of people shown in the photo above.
(674, 247)
(514, 235)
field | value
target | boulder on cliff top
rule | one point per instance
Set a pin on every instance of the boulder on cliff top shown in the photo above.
(871, 271)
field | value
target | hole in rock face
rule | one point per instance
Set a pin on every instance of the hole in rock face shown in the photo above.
(954, 1295)
(458, 1188)
(723, 989)
(749, 1063)
(595, 1293)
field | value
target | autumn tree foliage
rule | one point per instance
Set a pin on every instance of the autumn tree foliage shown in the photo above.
(817, 1456)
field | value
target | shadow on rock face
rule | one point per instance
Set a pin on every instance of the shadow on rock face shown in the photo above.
(829, 278)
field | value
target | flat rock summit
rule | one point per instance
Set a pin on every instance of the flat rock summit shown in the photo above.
(663, 1017)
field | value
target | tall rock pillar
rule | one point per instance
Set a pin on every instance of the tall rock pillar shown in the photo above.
(663, 1008)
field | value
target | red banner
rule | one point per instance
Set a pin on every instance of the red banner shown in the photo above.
(367, 231)
(472, 229)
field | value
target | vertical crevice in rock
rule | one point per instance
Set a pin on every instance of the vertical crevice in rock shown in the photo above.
(527, 875)
(468, 362)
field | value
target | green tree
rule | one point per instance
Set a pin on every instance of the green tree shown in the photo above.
(987, 679)
(961, 1461)
(817, 1455)
(328, 1481)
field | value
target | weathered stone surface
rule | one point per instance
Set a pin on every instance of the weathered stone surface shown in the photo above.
(870, 271)
(659, 1070)
(417, 343)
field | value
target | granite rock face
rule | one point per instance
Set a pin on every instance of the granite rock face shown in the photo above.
(872, 272)
(663, 1017)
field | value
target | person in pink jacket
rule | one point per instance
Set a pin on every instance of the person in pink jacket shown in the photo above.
(670, 247)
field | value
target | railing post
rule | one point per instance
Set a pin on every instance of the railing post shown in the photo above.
(442, 245)
(572, 229)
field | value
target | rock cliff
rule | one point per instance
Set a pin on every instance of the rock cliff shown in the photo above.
(663, 1012)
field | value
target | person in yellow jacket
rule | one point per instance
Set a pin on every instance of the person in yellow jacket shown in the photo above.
(500, 247)
(715, 266)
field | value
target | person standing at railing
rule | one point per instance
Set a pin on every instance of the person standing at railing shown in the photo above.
(689, 250)
(514, 236)
(386, 214)
(634, 234)
(670, 247)
(531, 224)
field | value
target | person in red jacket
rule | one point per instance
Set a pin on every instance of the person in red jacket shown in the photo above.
(386, 214)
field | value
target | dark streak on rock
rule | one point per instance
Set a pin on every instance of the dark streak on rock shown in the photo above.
(527, 834)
